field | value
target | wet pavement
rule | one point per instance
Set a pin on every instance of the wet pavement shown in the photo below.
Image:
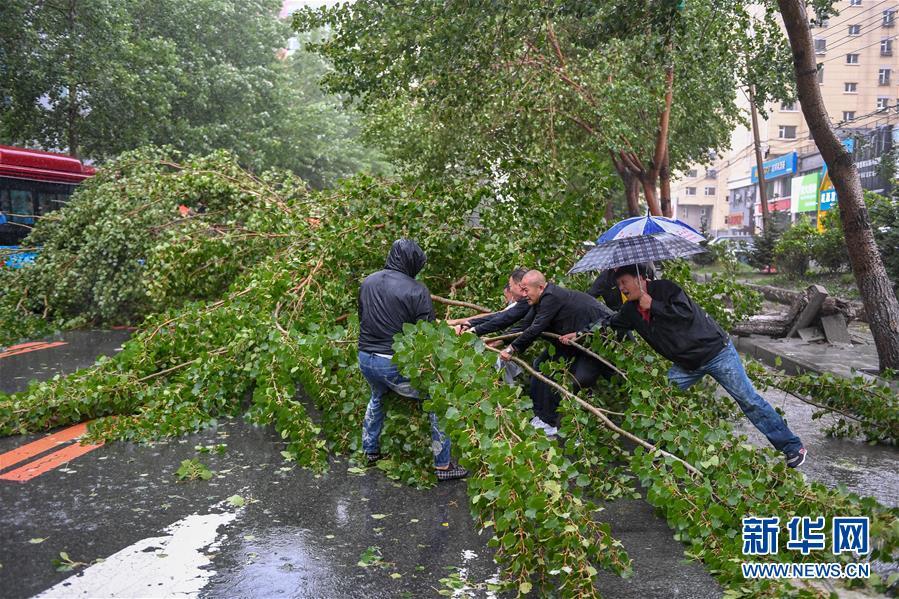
(297, 534)
(79, 349)
(871, 470)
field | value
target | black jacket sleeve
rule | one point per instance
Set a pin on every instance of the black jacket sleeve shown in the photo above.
(425, 308)
(544, 313)
(669, 302)
(500, 320)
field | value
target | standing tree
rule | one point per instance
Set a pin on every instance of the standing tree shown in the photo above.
(871, 278)
(98, 77)
(639, 88)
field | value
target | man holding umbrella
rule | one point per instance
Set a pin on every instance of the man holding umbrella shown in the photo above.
(678, 329)
(674, 326)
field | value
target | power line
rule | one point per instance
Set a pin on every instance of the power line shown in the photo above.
(849, 38)
(880, 111)
(876, 22)
(862, 48)
(855, 14)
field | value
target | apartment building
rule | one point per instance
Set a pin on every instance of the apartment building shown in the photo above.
(858, 71)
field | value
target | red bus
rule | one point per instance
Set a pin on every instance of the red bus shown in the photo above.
(32, 184)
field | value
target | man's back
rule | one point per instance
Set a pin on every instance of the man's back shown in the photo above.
(392, 297)
(560, 311)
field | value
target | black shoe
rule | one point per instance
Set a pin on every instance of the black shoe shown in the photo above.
(372, 458)
(453, 472)
(797, 458)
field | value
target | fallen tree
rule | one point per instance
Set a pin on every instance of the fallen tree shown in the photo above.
(270, 339)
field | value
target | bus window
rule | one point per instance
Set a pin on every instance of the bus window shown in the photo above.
(22, 207)
(46, 203)
(5, 206)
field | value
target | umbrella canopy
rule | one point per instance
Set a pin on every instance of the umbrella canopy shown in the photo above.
(631, 250)
(650, 225)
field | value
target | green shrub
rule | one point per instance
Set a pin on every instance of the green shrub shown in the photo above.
(830, 249)
(884, 213)
(794, 249)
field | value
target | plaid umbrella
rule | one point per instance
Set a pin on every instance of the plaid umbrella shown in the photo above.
(631, 250)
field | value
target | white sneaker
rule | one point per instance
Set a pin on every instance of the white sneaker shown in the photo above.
(548, 429)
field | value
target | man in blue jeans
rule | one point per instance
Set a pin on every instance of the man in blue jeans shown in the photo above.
(682, 332)
(388, 299)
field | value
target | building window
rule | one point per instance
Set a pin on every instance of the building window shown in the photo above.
(692, 173)
(855, 2)
(850, 87)
(709, 191)
(820, 46)
(787, 132)
(711, 173)
(788, 106)
(855, 30)
(820, 73)
(852, 59)
(690, 191)
(848, 115)
(886, 47)
(882, 103)
(889, 18)
(883, 76)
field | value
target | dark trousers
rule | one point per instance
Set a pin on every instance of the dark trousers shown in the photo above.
(585, 370)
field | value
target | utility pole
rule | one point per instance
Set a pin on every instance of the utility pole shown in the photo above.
(763, 195)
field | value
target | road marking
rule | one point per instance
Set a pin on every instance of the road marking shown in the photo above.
(174, 565)
(48, 462)
(41, 445)
(30, 348)
(23, 345)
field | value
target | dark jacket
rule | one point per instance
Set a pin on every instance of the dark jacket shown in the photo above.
(391, 297)
(677, 328)
(606, 287)
(500, 320)
(560, 311)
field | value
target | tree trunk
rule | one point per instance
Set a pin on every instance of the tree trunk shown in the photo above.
(648, 181)
(881, 305)
(665, 187)
(631, 184)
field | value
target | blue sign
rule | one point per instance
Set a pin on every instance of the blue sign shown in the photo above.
(828, 195)
(778, 167)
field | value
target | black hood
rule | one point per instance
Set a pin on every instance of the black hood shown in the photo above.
(406, 257)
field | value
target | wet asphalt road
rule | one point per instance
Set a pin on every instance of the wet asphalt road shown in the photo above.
(297, 534)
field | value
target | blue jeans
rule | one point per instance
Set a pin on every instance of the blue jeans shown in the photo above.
(383, 376)
(727, 369)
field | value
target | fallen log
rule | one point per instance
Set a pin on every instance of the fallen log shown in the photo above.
(832, 305)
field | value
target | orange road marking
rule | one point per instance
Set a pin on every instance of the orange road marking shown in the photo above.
(48, 462)
(31, 348)
(21, 345)
(41, 445)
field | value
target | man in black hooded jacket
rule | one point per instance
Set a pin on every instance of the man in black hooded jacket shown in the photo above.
(388, 299)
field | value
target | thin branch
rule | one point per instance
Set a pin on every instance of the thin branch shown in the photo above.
(449, 302)
(598, 412)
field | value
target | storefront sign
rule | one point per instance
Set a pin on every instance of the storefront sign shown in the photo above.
(805, 193)
(778, 167)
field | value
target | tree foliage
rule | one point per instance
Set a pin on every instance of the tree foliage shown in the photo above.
(553, 85)
(96, 78)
